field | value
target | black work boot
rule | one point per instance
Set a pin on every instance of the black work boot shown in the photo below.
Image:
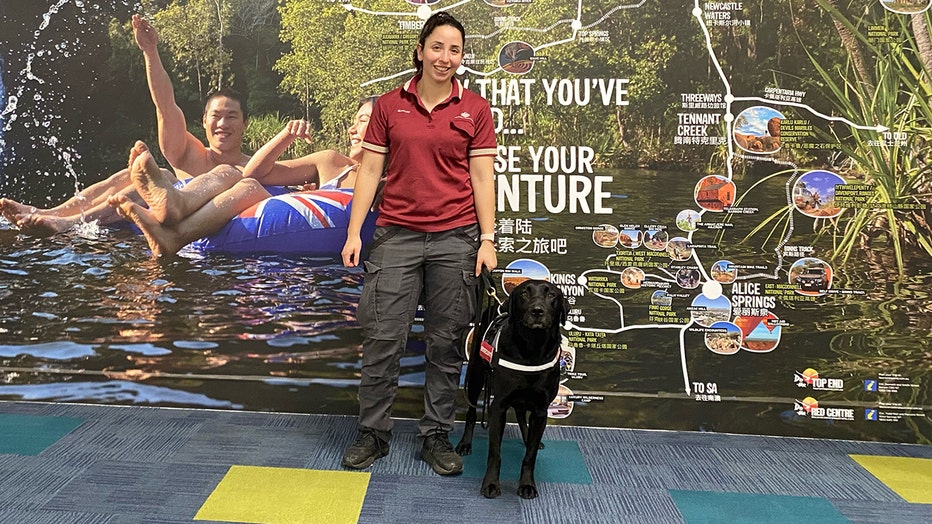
(362, 453)
(438, 452)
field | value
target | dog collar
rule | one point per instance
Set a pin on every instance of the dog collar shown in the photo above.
(488, 351)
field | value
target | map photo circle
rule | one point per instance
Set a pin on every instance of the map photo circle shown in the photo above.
(679, 249)
(656, 240)
(606, 237)
(706, 312)
(632, 277)
(726, 341)
(516, 57)
(630, 238)
(687, 220)
(811, 276)
(715, 193)
(724, 272)
(757, 130)
(517, 271)
(814, 194)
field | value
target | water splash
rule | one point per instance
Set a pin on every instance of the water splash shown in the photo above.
(90, 230)
(49, 70)
(2, 115)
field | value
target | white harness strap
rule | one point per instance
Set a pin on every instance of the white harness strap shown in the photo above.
(489, 348)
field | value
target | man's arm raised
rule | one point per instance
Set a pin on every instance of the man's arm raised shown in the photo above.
(174, 140)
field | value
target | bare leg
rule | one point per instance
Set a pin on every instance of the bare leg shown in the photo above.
(94, 195)
(162, 240)
(168, 204)
(47, 224)
(39, 224)
(103, 213)
(12, 210)
(154, 189)
(168, 240)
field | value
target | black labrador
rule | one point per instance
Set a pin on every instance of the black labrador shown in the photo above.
(522, 372)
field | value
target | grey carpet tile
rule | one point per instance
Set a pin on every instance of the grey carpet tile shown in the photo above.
(225, 444)
(172, 489)
(28, 483)
(143, 438)
(574, 503)
(870, 512)
(432, 499)
(56, 517)
(623, 476)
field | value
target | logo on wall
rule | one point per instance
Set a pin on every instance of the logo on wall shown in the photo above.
(810, 378)
(810, 406)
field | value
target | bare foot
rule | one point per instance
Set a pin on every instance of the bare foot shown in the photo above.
(161, 239)
(44, 224)
(11, 209)
(153, 186)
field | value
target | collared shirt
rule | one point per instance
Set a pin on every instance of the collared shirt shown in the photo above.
(427, 186)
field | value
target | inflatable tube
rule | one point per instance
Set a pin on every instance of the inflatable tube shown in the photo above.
(308, 223)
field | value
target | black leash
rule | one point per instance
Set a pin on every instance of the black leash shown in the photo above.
(487, 309)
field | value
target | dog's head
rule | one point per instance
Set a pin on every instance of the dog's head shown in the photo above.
(538, 304)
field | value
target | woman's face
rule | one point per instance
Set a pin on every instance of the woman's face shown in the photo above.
(442, 53)
(357, 131)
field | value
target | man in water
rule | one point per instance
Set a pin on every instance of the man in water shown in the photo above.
(224, 122)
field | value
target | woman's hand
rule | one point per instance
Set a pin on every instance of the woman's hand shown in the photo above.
(486, 257)
(296, 129)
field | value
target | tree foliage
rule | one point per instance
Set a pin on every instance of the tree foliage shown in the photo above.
(193, 32)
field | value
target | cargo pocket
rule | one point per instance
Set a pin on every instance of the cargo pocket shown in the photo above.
(366, 313)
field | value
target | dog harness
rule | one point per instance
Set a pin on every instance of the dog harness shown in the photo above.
(487, 350)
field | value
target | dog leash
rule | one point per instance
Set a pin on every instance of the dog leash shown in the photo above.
(487, 309)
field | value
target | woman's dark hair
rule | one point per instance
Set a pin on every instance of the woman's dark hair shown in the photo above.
(436, 20)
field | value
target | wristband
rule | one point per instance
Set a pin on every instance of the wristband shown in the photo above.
(487, 236)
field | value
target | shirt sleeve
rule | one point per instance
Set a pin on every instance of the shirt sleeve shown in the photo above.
(376, 139)
(484, 142)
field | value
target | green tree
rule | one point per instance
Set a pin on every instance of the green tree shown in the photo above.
(193, 32)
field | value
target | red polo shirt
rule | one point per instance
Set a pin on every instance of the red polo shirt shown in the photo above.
(427, 186)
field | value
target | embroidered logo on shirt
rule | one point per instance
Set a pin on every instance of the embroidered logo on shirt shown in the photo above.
(402, 111)
(464, 115)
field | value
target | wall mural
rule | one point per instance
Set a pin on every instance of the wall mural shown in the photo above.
(734, 197)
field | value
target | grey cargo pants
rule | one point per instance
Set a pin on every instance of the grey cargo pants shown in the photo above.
(401, 264)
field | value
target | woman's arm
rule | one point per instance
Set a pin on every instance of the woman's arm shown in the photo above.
(265, 167)
(482, 176)
(367, 183)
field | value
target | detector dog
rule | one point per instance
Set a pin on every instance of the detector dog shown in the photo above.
(518, 365)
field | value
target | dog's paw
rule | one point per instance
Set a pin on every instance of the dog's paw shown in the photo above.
(491, 490)
(464, 449)
(527, 491)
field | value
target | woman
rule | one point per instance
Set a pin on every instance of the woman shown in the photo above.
(434, 234)
(177, 217)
